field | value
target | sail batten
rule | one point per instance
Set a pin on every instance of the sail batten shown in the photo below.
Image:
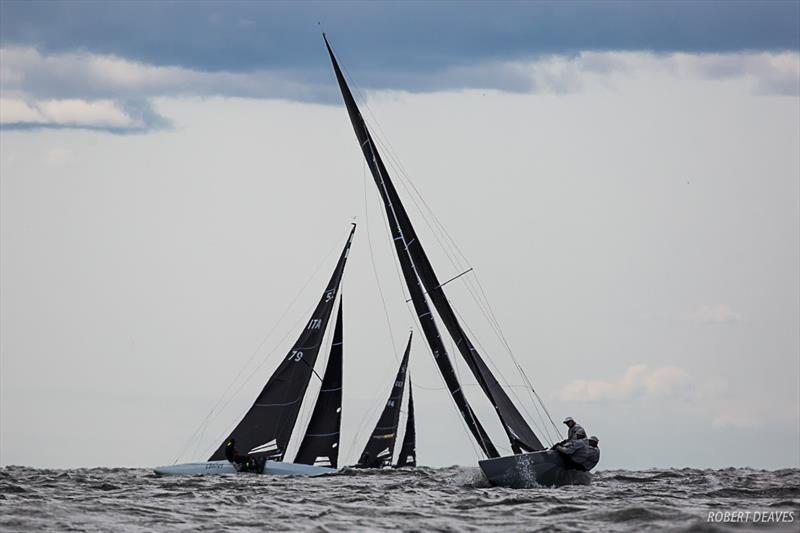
(422, 284)
(267, 426)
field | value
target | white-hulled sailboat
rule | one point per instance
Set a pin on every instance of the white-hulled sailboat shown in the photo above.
(258, 443)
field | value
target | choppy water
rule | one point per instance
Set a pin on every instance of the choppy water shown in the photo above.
(445, 499)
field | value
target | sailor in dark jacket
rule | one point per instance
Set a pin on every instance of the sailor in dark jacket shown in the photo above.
(243, 463)
(580, 454)
(592, 453)
(574, 432)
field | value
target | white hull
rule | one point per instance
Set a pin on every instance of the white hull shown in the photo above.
(271, 468)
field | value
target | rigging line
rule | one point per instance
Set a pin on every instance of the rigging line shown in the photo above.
(312, 368)
(374, 267)
(414, 270)
(402, 173)
(208, 418)
(454, 261)
(380, 135)
(446, 282)
(472, 415)
(302, 319)
(390, 152)
(403, 178)
(511, 353)
(497, 369)
(498, 333)
(493, 320)
(394, 160)
(494, 324)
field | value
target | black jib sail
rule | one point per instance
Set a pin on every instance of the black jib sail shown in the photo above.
(266, 428)
(417, 268)
(380, 446)
(405, 243)
(408, 451)
(320, 446)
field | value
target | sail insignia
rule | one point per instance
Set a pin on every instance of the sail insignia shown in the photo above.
(274, 413)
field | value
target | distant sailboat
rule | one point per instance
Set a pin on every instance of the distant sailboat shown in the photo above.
(258, 443)
(380, 447)
(408, 451)
(545, 467)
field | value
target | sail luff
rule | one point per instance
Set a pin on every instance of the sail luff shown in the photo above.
(408, 451)
(379, 449)
(399, 223)
(267, 426)
(321, 440)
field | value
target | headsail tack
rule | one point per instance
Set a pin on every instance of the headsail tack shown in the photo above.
(267, 426)
(320, 445)
(418, 273)
(380, 446)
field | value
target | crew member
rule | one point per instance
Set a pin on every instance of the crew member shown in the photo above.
(574, 431)
(592, 453)
(579, 454)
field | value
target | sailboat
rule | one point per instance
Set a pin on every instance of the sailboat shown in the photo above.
(259, 441)
(530, 462)
(379, 449)
(408, 450)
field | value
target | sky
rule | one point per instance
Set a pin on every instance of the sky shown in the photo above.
(177, 179)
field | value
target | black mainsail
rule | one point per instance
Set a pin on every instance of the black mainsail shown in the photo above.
(320, 445)
(408, 451)
(267, 426)
(380, 446)
(418, 273)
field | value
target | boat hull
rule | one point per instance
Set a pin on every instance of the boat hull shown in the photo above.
(533, 469)
(211, 468)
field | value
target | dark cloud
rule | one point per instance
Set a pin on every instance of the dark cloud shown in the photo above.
(382, 39)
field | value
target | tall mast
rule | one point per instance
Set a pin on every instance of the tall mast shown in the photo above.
(267, 426)
(403, 239)
(519, 433)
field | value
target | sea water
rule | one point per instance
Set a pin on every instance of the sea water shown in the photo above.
(420, 499)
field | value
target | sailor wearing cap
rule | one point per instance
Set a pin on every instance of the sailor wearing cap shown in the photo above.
(575, 430)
